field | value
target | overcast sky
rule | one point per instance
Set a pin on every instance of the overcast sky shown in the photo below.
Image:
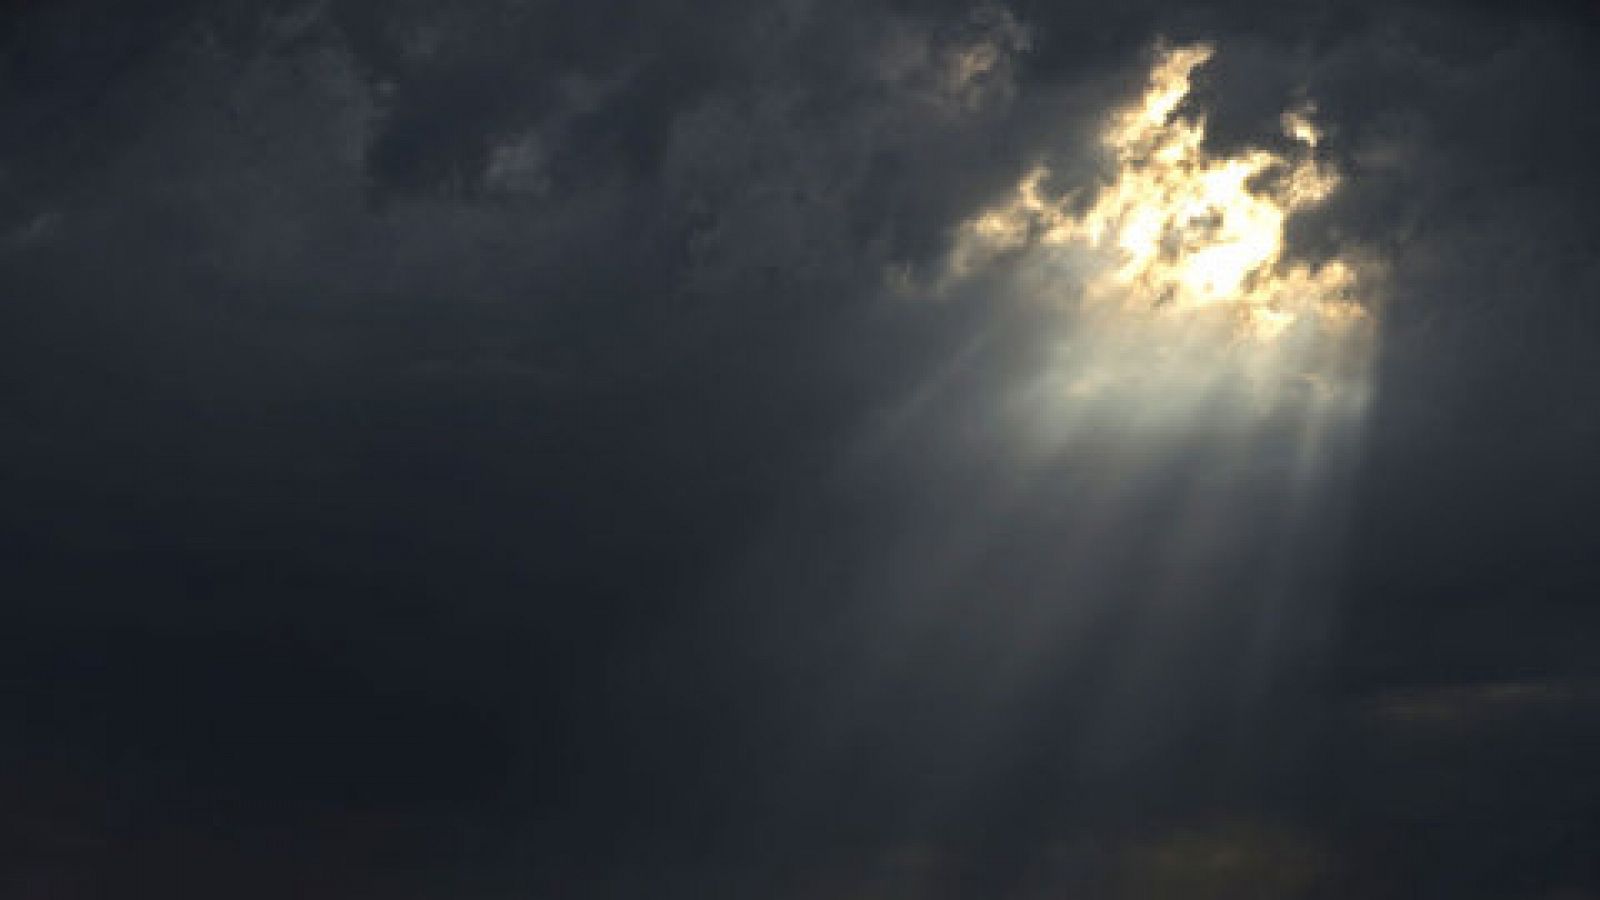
(555, 449)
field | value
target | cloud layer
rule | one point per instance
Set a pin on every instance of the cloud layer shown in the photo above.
(544, 434)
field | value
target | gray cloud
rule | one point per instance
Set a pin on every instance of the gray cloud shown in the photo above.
(555, 380)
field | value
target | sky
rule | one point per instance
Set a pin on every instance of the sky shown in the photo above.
(799, 449)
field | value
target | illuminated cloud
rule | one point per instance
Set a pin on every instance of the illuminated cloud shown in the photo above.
(1175, 269)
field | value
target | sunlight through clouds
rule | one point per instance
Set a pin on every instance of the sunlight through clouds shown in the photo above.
(1186, 401)
(1173, 272)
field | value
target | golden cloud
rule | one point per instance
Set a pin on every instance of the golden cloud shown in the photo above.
(1176, 264)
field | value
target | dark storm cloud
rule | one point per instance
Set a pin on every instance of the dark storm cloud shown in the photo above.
(501, 419)
(477, 438)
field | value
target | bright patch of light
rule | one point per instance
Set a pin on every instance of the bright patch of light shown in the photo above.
(1174, 270)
